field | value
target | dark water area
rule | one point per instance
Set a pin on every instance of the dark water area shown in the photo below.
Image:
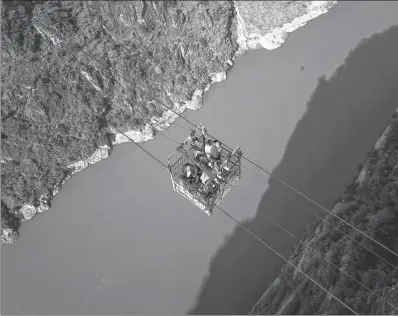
(344, 118)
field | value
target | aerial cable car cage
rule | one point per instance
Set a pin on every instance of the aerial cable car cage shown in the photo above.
(229, 171)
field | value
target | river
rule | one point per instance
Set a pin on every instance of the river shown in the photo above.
(119, 240)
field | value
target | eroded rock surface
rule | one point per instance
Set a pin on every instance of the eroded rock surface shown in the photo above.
(267, 23)
(124, 60)
(76, 73)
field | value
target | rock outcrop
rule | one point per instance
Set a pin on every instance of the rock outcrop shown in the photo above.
(75, 74)
(267, 23)
(125, 60)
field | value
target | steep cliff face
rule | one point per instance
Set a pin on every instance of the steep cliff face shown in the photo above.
(124, 59)
(370, 203)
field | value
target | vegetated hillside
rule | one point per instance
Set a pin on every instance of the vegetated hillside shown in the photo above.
(371, 205)
(165, 49)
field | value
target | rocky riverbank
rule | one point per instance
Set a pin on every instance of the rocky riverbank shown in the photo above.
(127, 62)
(370, 203)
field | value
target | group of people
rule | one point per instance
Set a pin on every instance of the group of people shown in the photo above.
(207, 154)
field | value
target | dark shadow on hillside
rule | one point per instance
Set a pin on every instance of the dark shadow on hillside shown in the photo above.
(344, 119)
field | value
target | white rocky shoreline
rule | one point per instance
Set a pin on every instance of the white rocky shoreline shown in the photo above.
(246, 41)
(277, 36)
(28, 211)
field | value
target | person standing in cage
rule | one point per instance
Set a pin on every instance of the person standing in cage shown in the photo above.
(212, 149)
(199, 149)
(192, 174)
(209, 187)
